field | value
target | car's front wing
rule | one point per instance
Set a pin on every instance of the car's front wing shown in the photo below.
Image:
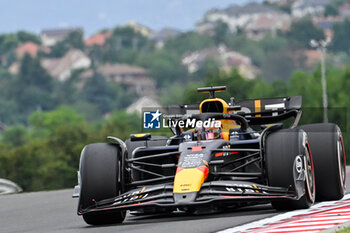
(162, 196)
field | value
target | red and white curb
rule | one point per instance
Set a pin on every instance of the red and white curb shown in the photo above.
(321, 216)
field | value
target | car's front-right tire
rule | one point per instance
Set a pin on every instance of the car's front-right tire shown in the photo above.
(99, 172)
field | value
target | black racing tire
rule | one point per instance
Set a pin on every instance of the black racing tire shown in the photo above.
(328, 152)
(99, 172)
(282, 148)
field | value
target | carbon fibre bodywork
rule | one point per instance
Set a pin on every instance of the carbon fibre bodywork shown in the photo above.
(237, 187)
(189, 171)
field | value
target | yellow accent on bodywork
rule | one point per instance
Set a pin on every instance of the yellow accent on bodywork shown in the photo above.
(257, 105)
(188, 180)
(223, 102)
(225, 135)
(226, 125)
(256, 190)
(140, 135)
(206, 163)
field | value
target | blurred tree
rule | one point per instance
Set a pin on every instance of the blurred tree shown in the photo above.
(122, 98)
(247, 47)
(280, 88)
(190, 94)
(67, 92)
(11, 57)
(31, 73)
(58, 50)
(210, 65)
(303, 30)
(46, 123)
(50, 157)
(331, 10)
(73, 40)
(171, 95)
(271, 43)
(5, 76)
(272, 72)
(309, 87)
(24, 36)
(121, 125)
(7, 43)
(341, 36)
(32, 88)
(127, 37)
(9, 112)
(236, 85)
(123, 45)
(164, 66)
(90, 111)
(65, 147)
(15, 136)
(97, 91)
(221, 30)
(261, 89)
(188, 42)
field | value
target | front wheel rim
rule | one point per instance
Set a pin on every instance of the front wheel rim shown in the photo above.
(341, 162)
(310, 175)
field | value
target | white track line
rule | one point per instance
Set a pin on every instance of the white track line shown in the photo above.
(288, 215)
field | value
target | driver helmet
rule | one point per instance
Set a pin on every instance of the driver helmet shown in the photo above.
(212, 133)
(207, 133)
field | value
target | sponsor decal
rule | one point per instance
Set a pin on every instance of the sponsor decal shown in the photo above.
(245, 188)
(192, 160)
(191, 123)
(137, 195)
(155, 119)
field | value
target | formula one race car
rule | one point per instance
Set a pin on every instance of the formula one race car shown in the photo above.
(245, 156)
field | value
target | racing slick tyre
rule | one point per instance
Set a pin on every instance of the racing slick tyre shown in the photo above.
(328, 152)
(284, 149)
(99, 171)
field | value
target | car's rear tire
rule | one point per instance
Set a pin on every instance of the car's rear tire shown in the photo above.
(328, 152)
(282, 149)
(99, 171)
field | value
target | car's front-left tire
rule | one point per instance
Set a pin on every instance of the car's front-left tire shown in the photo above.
(99, 172)
(288, 150)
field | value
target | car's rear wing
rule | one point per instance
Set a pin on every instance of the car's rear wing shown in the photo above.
(270, 110)
(256, 111)
(267, 106)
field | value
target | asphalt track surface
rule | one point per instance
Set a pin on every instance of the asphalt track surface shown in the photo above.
(55, 211)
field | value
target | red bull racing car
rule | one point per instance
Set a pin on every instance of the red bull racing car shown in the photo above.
(222, 154)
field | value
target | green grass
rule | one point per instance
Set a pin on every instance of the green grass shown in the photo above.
(345, 230)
